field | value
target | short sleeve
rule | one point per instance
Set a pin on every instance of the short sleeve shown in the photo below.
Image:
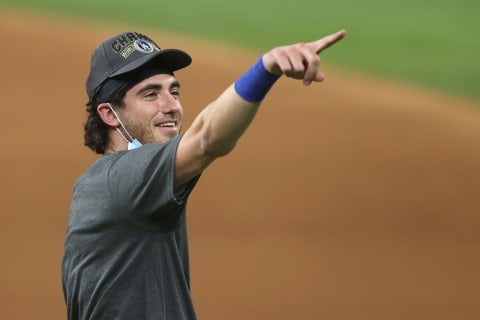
(142, 180)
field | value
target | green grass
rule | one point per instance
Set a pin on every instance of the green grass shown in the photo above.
(429, 42)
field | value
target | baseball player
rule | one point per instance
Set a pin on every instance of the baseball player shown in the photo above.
(126, 248)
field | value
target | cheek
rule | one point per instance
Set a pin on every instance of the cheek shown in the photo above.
(180, 110)
(180, 117)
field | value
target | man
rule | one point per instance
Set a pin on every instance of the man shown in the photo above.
(126, 248)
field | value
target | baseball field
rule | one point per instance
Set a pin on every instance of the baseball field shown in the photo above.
(357, 198)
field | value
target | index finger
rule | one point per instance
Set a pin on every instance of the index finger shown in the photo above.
(325, 42)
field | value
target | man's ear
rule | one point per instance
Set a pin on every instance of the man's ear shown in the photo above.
(107, 115)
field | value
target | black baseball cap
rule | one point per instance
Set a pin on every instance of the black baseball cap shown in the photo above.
(128, 52)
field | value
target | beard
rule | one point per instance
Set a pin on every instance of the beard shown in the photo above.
(147, 132)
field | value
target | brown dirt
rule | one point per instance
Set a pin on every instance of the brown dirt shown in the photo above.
(356, 198)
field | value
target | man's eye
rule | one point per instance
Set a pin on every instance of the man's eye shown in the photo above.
(150, 94)
(175, 93)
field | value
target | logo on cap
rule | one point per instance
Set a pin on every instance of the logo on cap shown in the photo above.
(143, 46)
(131, 42)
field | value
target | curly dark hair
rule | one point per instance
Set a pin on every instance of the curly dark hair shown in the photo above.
(95, 130)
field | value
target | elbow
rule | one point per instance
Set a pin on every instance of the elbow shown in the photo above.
(213, 149)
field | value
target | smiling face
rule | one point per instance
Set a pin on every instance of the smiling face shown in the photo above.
(152, 112)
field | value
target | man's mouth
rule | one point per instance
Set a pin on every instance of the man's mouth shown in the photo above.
(168, 124)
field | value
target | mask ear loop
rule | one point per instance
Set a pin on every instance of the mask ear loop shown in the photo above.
(123, 127)
(123, 137)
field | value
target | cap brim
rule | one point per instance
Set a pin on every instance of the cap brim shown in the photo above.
(169, 59)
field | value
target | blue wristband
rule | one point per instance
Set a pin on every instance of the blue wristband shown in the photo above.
(254, 84)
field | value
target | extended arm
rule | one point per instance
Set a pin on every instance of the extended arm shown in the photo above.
(217, 128)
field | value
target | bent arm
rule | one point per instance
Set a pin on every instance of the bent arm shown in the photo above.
(213, 133)
(216, 130)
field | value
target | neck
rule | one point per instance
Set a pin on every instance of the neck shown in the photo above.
(116, 142)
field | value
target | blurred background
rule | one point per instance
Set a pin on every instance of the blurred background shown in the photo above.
(357, 197)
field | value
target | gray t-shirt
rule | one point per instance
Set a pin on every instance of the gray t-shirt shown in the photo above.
(126, 247)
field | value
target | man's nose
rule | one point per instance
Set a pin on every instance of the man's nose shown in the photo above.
(170, 103)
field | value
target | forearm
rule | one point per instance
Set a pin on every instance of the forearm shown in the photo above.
(213, 134)
(219, 126)
(226, 119)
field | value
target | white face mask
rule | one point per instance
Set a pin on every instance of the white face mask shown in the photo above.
(132, 143)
